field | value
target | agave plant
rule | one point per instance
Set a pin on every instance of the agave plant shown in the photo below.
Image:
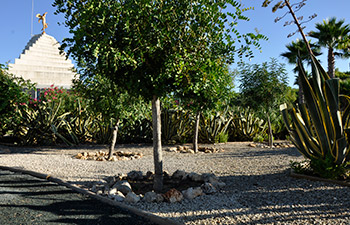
(214, 127)
(39, 125)
(176, 125)
(318, 127)
(246, 124)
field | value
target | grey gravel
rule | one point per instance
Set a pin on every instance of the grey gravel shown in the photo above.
(258, 187)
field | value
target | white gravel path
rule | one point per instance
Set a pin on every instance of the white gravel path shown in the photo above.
(258, 188)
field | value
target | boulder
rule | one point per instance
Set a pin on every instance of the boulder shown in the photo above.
(119, 197)
(179, 174)
(113, 158)
(208, 188)
(159, 198)
(180, 148)
(149, 175)
(192, 193)
(173, 195)
(96, 187)
(112, 192)
(112, 180)
(106, 189)
(131, 197)
(135, 175)
(150, 196)
(210, 178)
(123, 186)
(218, 185)
(190, 151)
(195, 177)
(172, 149)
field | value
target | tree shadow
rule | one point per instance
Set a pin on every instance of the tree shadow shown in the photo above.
(10, 149)
(257, 152)
(38, 201)
(270, 198)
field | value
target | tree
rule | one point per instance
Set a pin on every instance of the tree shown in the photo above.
(262, 87)
(298, 50)
(150, 48)
(334, 35)
(114, 103)
(213, 90)
(344, 78)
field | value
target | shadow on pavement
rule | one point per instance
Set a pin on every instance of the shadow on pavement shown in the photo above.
(29, 200)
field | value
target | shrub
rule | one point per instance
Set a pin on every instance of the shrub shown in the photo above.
(12, 98)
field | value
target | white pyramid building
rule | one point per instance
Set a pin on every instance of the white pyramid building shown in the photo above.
(42, 63)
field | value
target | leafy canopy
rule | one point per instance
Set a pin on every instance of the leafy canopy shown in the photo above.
(263, 85)
(153, 46)
(333, 34)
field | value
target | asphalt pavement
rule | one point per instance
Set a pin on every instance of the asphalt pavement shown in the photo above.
(25, 199)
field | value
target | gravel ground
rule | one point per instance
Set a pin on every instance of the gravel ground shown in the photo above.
(258, 187)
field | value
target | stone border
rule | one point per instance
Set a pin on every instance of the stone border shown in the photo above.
(313, 178)
(152, 217)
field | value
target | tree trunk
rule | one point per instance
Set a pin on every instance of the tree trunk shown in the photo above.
(196, 130)
(114, 139)
(157, 145)
(331, 62)
(270, 131)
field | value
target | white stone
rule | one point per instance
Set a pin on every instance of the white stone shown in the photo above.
(119, 197)
(172, 149)
(192, 193)
(150, 196)
(112, 191)
(123, 186)
(131, 197)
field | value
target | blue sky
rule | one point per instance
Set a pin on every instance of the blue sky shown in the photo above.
(15, 21)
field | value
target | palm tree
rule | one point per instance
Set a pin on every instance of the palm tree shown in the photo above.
(298, 49)
(334, 35)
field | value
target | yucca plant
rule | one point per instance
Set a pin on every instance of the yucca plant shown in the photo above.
(318, 127)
